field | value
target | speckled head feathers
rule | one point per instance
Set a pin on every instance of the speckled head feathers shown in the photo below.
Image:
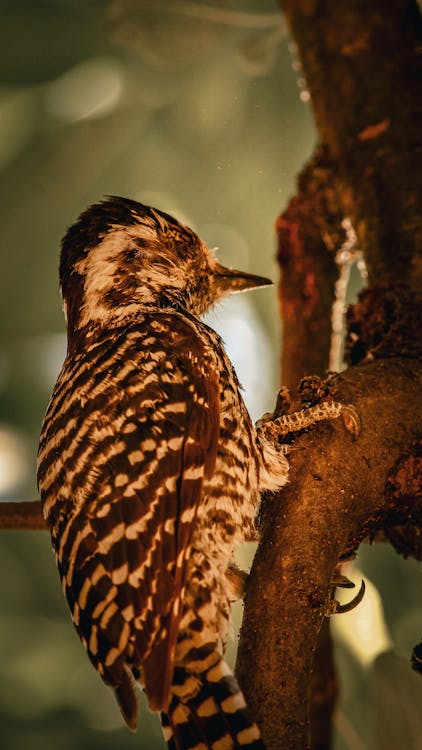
(121, 255)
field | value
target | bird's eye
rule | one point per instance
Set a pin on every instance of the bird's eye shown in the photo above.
(131, 254)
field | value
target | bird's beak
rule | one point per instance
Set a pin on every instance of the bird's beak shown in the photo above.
(230, 280)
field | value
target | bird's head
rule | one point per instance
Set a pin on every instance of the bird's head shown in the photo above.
(121, 256)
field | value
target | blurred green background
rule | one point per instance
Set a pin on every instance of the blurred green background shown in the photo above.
(200, 109)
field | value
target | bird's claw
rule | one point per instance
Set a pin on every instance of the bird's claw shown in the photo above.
(334, 606)
(352, 420)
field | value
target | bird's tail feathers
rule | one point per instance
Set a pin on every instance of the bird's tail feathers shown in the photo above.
(208, 712)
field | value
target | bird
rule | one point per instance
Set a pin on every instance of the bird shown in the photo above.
(150, 469)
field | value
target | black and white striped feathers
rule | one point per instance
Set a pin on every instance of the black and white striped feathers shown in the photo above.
(150, 469)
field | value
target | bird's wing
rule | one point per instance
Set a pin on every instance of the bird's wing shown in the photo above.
(124, 558)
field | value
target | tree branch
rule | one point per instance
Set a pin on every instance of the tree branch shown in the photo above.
(336, 498)
(323, 690)
(23, 515)
(356, 57)
(309, 232)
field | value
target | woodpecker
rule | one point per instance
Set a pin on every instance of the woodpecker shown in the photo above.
(150, 469)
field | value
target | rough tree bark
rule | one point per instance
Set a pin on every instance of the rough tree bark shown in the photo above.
(362, 64)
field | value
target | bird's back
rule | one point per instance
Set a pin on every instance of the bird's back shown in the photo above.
(132, 442)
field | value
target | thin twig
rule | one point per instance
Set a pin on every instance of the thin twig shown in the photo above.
(22, 515)
(224, 16)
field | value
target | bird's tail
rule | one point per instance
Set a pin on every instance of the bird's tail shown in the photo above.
(208, 712)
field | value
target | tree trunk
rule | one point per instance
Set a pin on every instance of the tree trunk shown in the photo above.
(361, 63)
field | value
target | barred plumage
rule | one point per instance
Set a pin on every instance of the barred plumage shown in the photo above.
(150, 469)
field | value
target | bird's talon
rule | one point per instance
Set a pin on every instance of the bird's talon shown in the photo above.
(335, 608)
(352, 420)
(283, 402)
(341, 581)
